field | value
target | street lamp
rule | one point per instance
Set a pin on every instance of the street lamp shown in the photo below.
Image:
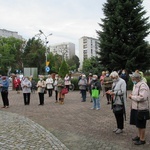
(46, 42)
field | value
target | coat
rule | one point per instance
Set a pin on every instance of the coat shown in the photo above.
(140, 96)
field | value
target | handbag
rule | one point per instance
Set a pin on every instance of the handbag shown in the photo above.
(95, 93)
(45, 91)
(117, 109)
(143, 114)
(64, 91)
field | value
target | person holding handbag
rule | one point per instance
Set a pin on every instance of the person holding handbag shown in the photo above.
(95, 92)
(118, 94)
(140, 101)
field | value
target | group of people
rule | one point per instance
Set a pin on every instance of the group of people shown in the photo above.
(43, 87)
(114, 85)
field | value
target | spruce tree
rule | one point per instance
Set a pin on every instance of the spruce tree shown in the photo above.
(122, 39)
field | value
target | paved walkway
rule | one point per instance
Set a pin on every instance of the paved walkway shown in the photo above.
(78, 127)
(20, 133)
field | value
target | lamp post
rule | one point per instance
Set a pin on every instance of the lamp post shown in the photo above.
(46, 42)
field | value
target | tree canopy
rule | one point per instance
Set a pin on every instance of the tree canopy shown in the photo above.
(122, 39)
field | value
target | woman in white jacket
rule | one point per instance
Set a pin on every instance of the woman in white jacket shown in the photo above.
(26, 89)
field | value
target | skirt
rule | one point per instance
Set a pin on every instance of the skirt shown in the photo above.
(135, 121)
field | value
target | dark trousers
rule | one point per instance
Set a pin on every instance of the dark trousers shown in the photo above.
(41, 98)
(119, 120)
(67, 86)
(50, 92)
(26, 97)
(83, 92)
(4, 95)
(108, 96)
(56, 95)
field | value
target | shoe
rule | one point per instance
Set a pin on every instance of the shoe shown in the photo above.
(108, 103)
(92, 108)
(97, 108)
(136, 138)
(7, 107)
(115, 130)
(118, 131)
(140, 142)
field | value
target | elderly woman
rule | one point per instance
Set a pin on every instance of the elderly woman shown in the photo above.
(139, 97)
(26, 89)
(41, 85)
(118, 94)
(83, 86)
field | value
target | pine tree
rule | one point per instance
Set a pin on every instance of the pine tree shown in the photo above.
(63, 69)
(122, 39)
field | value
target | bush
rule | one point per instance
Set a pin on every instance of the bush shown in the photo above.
(75, 82)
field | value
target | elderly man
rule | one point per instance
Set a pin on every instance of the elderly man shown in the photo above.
(118, 94)
(140, 101)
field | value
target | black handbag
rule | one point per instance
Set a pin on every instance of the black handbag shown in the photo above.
(117, 109)
(143, 114)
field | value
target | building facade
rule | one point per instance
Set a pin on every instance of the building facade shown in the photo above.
(6, 34)
(66, 50)
(88, 47)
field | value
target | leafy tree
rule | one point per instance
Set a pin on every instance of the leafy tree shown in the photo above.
(63, 69)
(91, 65)
(73, 63)
(34, 55)
(11, 54)
(122, 39)
(55, 62)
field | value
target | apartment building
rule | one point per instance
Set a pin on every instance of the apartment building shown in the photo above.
(7, 33)
(88, 47)
(66, 49)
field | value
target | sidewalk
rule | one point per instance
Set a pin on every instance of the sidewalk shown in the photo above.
(74, 124)
(20, 133)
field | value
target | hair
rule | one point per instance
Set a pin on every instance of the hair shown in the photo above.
(114, 74)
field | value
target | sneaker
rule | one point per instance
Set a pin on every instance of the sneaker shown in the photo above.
(136, 138)
(118, 131)
(140, 142)
(115, 130)
(93, 108)
(97, 108)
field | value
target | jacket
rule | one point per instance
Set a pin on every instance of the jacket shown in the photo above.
(119, 88)
(26, 86)
(41, 86)
(140, 96)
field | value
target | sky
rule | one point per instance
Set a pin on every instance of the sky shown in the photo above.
(66, 20)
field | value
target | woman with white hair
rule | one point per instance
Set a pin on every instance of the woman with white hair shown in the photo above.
(118, 94)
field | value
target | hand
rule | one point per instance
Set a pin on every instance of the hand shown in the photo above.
(130, 96)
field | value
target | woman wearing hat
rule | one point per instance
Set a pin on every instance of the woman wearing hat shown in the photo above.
(140, 101)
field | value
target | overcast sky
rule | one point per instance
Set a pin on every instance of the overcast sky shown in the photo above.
(67, 20)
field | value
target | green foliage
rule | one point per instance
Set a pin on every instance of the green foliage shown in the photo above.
(122, 39)
(75, 82)
(11, 54)
(73, 63)
(34, 55)
(63, 69)
(92, 65)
